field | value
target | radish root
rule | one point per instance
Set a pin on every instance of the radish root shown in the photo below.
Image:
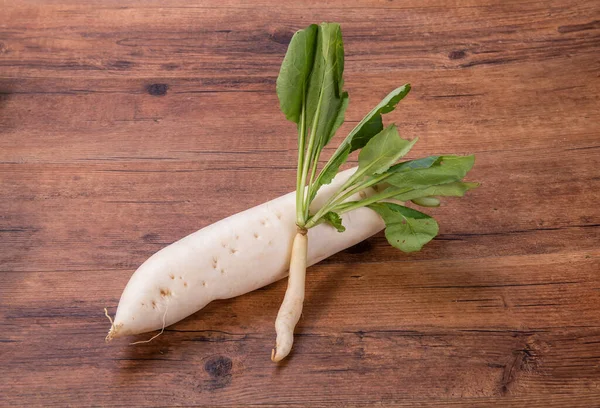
(114, 328)
(162, 330)
(291, 307)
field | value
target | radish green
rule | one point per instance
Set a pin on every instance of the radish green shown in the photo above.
(310, 91)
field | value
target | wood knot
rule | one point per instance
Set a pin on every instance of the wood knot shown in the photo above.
(151, 238)
(282, 36)
(457, 54)
(219, 369)
(157, 89)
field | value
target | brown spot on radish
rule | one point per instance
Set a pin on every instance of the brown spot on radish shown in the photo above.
(153, 304)
(270, 242)
(278, 215)
(222, 271)
(233, 251)
(214, 262)
(256, 235)
(224, 244)
(143, 304)
(203, 283)
(185, 284)
(171, 276)
(165, 292)
(362, 195)
(181, 277)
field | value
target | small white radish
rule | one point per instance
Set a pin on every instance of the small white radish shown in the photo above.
(291, 308)
(231, 257)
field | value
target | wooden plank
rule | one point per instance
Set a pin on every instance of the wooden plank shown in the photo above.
(218, 367)
(143, 205)
(90, 41)
(190, 117)
(458, 330)
(488, 292)
(125, 125)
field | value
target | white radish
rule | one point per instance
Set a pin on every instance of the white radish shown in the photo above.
(231, 257)
(291, 308)
(256, 247)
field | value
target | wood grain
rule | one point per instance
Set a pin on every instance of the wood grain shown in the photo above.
(127, 125)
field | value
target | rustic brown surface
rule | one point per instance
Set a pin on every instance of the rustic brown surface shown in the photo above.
(124, 127)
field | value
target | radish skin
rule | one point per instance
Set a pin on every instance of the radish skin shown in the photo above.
(291, 308)
(236, 255)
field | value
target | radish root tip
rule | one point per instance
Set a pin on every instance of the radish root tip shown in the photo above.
(114, 328)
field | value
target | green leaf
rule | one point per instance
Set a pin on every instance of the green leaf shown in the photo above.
(327, 176)
(310, 91)
(423, 163)
(325, 98)
(297, 65)
(339, 119)
(427, 201)
(325, 102)
(405, 228)
(368, 127)
(329, 172)
(334, 220)
(382, 151)
(445, 169)
(456, 189)
(372, 124)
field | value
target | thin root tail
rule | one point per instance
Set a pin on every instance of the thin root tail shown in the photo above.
(291, 307)
(114, 329)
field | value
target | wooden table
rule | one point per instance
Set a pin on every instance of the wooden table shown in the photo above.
(125, 126)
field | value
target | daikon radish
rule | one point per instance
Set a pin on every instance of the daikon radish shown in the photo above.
(329, 211)
(231, 257)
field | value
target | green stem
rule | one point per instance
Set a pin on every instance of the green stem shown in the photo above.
(359, 187)
(333, 199)
(306, 164)
(373, 199)
(317, 218)
(299, 184)
(310, 184)
(340, 196)
(311, 155)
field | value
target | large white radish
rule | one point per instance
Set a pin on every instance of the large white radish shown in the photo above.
(231, 257)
